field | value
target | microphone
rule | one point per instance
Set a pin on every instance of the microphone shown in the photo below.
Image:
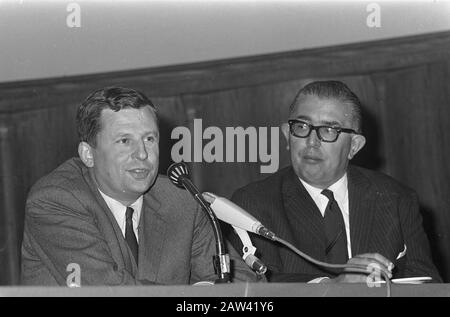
(178, 174)
(236, 216)
(248, 251)
(241, 221)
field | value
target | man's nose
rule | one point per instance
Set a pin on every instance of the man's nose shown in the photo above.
(313, 139)
(141, 151)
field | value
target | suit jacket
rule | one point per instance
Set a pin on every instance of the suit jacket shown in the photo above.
(67, 221)
(384, 218)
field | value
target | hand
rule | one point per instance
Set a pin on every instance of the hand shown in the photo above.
(374, 262)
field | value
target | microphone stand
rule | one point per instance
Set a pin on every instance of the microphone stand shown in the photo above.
(221, 260)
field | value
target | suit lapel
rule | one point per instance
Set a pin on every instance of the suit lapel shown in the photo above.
(305, 219)
(152, 237)
(305, 222)
(110, 229)
(361, 210)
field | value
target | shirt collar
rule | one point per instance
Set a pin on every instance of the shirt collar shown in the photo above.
(118, 209)
(339, 189)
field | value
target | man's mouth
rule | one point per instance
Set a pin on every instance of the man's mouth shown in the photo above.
(139, 173)
(312, 158)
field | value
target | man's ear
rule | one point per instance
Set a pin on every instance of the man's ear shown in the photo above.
(85, 154)
(357, 143)
(286, 133)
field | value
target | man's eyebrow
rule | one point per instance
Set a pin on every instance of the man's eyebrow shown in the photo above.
(322, 122)
(155, 133)
(331, 123)
(121, 134)
(304, 118)
(127, 134)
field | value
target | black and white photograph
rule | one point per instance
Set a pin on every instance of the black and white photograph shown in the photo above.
(224, 154)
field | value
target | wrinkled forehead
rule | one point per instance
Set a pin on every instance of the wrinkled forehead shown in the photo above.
(320, 110)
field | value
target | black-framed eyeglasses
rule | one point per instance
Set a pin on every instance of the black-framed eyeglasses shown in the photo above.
(302, 129)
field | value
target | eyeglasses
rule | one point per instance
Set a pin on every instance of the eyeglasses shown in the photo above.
(325, 133)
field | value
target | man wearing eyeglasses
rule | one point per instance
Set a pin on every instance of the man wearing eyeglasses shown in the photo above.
(333, 211)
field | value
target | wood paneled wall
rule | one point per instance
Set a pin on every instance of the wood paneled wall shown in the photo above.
(403, 83)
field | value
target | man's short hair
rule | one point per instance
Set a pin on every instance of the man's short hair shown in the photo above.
(114, 98)
(333, 89)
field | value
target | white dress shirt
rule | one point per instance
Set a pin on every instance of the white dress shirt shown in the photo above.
(340, 193)
(119, 210)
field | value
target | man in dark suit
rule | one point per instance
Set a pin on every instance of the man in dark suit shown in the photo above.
(106, 218)
(331, 210)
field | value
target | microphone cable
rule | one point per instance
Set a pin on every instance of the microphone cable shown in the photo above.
(247, 222)
(356, 268)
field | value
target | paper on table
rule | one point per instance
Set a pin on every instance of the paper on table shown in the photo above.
(409, 280)
(412, 280)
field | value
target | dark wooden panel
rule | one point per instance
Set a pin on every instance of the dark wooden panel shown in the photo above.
(10, 195)
(416, 121)
(253, 107)
(343, 60)
(171, 114)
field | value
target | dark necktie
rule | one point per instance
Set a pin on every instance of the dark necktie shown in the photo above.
(130, 237)
(336, 251)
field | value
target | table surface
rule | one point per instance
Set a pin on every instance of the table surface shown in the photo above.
(234, 290)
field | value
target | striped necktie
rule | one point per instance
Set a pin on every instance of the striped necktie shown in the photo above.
(336, 250)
